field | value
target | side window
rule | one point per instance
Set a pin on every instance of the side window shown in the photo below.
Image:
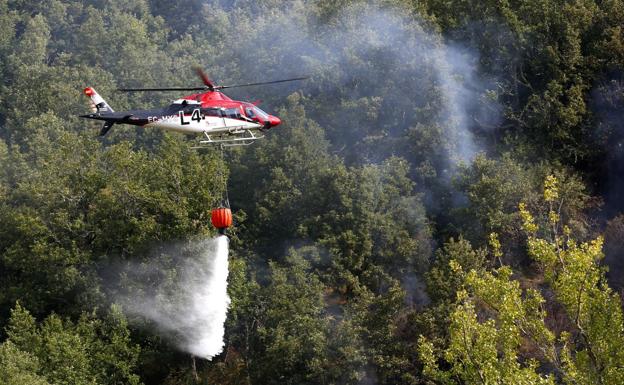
(233, 113)
(190, 109)
(211, 112)
(250, 112)
(173, 109)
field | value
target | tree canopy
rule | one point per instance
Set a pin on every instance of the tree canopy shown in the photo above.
(430, 211)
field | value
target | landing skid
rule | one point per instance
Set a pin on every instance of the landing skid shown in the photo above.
(234, 137)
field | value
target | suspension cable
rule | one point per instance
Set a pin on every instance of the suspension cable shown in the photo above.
(225, 198)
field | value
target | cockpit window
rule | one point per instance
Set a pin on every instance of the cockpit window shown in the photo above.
(261, 113)
(250, 112)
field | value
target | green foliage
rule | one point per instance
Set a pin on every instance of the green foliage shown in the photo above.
(443, 281)
(367, 217)
(73, 203)
(495, 187)
(580, 285)
(548, 55)
(91, 351)
(292, 333)
(18, 367)
(378, 318)
(494, 319)
(338, 210)
(486, 352)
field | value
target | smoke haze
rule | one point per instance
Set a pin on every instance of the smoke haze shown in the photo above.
(382, 82)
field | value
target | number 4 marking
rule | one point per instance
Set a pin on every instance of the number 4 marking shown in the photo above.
(196, 116)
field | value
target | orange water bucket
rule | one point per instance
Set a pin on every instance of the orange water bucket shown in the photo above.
(221, 218)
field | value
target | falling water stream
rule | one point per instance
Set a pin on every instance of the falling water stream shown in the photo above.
(192, 313)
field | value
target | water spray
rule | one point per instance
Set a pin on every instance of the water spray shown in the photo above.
(190, 311)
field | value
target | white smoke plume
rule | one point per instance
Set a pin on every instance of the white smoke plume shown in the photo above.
(383, 82)
(189, 305)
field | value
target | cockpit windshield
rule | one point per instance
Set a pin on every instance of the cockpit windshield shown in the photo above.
(250, 112)
(261, 113)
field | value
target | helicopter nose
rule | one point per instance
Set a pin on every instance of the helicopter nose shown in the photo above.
(274, 121)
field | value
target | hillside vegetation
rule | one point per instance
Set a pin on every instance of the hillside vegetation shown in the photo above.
(441, 205)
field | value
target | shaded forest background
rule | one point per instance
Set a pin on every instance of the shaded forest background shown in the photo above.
(430, 211)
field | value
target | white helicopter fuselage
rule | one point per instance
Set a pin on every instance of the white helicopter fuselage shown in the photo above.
(198, 123)
(228, 126)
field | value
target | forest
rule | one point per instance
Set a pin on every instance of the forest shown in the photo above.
(442, 204)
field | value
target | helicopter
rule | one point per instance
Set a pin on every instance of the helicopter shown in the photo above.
(210, 113)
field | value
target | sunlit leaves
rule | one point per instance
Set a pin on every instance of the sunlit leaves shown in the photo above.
(90, 351)
(486, 351)
(494, 317)
(578, 281)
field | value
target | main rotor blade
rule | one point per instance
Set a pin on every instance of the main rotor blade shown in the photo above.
(163, 89)
(200, 72)
(208, 86)
(261, 83)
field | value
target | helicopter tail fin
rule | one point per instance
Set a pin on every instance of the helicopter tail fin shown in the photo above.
(107, 126)
(98, 104)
